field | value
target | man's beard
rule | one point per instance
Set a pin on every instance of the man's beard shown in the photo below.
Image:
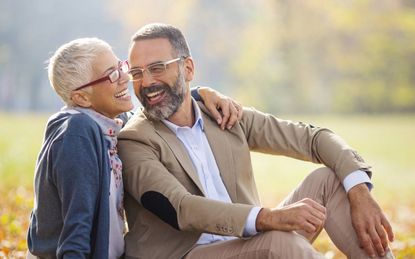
(174, 97)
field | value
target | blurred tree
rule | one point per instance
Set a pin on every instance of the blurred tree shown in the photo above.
(29, 35)
(336, 56)
(374, 57)
(278, 55)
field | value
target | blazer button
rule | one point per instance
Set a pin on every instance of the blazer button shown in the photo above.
(218, 228)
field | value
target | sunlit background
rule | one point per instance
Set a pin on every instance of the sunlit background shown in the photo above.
(281, 56)
(344, 64)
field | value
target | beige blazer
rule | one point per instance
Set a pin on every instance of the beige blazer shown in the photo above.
(165, 204)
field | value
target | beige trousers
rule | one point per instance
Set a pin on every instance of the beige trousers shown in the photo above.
(321, 185)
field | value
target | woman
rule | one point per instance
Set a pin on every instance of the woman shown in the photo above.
(78, 210)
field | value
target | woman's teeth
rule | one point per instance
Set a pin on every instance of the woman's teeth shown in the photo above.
(121, 94)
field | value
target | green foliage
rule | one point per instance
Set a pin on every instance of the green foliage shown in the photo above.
(327, 56)
(280, 56)
(300, 56)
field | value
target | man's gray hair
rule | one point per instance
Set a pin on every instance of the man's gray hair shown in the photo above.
(72, 65)
(165, 31)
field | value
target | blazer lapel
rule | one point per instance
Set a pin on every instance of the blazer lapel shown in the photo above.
(179, 152)
(219, 145)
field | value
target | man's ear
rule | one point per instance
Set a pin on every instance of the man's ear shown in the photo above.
(189, 69)
(81, 98)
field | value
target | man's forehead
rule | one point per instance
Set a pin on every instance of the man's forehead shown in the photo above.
(144, 52)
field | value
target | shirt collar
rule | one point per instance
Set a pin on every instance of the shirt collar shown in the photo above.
(198, 119)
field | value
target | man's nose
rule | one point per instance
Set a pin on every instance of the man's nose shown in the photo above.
(148, 79)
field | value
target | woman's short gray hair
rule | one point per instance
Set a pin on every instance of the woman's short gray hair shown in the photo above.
(71, 65)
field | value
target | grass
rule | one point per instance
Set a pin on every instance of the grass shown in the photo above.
(386, 142)
(21, 138)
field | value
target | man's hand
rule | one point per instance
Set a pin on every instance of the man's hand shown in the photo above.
(225, 110)
(370, 223)
(306, 215)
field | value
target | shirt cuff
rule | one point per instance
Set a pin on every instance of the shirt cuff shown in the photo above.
(355, 178)
(250, 228)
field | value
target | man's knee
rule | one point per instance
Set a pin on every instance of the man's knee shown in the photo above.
(280, 244)
(322, 175)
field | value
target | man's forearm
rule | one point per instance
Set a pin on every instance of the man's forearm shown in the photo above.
(357, 192)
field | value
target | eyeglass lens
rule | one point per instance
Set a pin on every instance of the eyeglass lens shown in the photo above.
(115, 75)
(154, 70)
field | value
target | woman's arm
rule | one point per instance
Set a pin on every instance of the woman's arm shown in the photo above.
(224, 109)
(77, 179)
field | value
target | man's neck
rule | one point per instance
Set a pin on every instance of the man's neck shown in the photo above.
(185, 115)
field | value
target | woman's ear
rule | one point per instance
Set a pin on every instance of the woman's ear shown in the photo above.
(81, 98)
(189, 69)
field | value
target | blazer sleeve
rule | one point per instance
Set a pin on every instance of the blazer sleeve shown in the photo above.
(159, 191)
(268, 134)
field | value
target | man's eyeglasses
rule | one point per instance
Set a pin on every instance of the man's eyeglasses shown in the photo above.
(155, 70)
(114, 76)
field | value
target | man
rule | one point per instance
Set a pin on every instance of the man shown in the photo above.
(190, 186)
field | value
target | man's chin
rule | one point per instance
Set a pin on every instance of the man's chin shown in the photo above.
(156, 113)
(163, 108)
